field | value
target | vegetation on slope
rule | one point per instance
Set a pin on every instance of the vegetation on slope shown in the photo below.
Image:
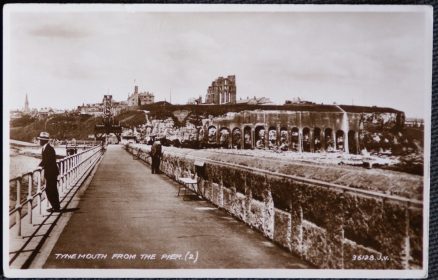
(64, 126)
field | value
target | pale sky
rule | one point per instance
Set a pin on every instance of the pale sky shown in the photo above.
(65, 59)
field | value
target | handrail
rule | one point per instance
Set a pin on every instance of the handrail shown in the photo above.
(57, 161)
(399, 199)
(80, 142)
(70, 168)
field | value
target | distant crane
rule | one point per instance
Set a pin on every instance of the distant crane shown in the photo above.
(108, 126)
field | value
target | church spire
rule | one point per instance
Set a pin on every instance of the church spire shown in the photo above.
(26, 105)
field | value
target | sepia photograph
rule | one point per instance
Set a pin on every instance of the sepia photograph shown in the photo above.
(216, 140)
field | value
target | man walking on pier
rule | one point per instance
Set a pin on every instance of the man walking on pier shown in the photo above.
(51, 172)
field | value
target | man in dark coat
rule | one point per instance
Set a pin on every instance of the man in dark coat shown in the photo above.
(51, 172)
(156, 153)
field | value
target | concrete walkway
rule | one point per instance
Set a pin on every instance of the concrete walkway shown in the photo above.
(127, 215)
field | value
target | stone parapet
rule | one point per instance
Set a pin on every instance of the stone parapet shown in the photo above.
(330, 227)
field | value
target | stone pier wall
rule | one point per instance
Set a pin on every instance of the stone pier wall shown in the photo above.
(327, 226)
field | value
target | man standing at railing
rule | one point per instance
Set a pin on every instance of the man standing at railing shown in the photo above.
(51, 172)
(156, 154)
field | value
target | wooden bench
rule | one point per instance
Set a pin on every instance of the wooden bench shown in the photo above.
(190, 185)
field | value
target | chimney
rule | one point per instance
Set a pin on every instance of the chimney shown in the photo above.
(135, 89)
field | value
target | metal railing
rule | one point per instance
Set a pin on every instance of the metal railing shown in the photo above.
(80, 143)
(71, 169)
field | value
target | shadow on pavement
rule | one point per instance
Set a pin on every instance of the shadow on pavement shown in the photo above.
(70, 209)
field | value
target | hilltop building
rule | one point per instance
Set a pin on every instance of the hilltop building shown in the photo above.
(140, 98)
(414, 122)
(45, 112)
(96, 109)
(222, 91)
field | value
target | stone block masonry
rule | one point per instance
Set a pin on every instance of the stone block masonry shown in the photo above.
(331, 227)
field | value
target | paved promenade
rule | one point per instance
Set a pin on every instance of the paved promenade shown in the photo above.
(128, 214)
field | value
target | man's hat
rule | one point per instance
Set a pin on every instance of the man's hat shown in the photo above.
(43, 136)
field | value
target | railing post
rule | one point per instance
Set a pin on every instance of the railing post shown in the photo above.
(61, 173)
(59, 183)
(79, 164)
(72, 166)
(39, 192)
(73, 175)
(64, 175)
(76, 167)
(29, 197)
(18, 208)
(72, 170)
(75, 172)
(68, 174)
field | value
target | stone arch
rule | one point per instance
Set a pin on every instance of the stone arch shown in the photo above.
(272, 137)
(236, 138)
(306, 139)
(200, 134)
(369, 141)
(328, 139)
(352, 145)
(340, 138)
(284, 139)
(295, 139)
(247, 137)
(317, 139)
(212, 134)
(224, 137)
(260, 137)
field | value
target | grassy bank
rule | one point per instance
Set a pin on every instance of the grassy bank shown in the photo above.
(385, 181)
